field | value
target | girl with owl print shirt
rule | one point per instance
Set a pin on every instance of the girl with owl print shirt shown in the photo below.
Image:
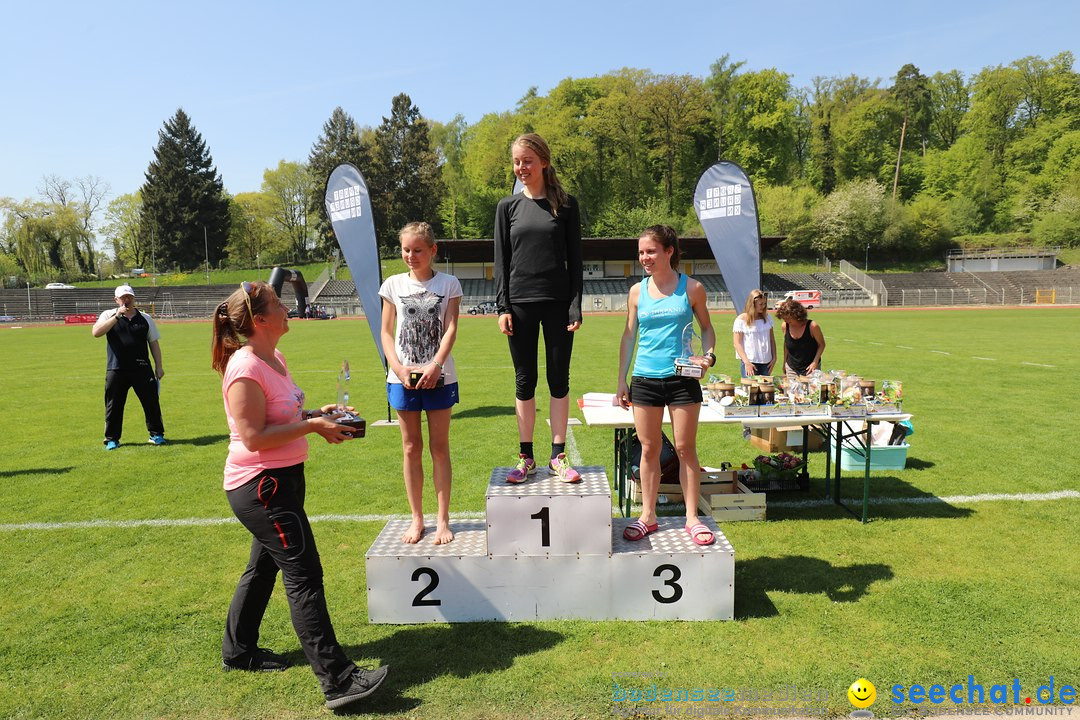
(419, 321)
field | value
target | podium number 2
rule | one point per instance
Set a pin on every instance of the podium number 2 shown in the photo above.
(676, 589)
(545, 526)
(420, 599)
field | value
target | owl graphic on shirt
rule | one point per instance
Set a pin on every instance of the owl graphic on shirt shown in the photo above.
(420, 327)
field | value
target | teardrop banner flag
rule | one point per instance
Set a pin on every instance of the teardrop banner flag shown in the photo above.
(348, 205)
(725, 206)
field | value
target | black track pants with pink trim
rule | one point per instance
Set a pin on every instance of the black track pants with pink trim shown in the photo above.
(271, 507)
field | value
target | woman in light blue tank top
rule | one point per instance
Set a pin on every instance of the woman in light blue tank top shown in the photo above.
(658, 310)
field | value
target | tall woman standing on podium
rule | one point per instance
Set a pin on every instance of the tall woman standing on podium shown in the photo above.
(538, 279)
(659, 308)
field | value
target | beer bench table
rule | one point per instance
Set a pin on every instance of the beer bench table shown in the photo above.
(622, 422)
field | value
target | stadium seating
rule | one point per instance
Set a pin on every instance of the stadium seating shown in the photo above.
(924, 288)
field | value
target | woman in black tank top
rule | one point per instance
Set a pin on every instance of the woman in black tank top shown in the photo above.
(803, 340)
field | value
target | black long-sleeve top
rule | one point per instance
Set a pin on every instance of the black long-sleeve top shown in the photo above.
(537, 256)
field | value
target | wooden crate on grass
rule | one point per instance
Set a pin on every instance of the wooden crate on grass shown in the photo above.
(716, 497)
(713, 482)
(733, 507)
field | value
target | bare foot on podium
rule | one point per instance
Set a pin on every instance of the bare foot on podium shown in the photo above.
(443, 533)
(414, 533)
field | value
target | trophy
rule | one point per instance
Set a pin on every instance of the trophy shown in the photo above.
(683, 366)
(351, 419)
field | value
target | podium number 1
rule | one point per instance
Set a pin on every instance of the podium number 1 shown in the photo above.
(545, 526)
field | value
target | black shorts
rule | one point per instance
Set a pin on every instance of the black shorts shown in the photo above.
(660, 392)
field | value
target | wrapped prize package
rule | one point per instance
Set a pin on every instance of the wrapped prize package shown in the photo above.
(888, 399)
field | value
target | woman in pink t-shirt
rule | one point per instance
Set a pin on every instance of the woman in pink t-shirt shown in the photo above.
(264, 483)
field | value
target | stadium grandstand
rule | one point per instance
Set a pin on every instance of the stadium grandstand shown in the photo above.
(610, 269)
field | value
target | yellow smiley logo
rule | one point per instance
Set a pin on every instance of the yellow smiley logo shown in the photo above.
(862, 693)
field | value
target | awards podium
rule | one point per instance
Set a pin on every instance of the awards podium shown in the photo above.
(549, 550)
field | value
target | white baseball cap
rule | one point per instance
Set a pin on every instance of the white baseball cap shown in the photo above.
(124, 290)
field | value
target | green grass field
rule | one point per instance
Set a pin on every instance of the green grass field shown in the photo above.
(118, 567)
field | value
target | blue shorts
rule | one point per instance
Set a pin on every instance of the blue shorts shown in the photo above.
(401, 398)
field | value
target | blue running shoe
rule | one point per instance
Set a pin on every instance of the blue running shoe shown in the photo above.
(157, 439)
(111, 444)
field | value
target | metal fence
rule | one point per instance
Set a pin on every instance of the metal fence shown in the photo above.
(979, 296)
(714, 301)
(872, 286)
(23, 311)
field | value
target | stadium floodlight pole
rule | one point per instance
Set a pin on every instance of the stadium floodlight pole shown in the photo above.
(206, 250)
(153, 254)
(866, 262)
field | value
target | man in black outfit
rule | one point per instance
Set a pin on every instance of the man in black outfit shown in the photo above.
(132, 338)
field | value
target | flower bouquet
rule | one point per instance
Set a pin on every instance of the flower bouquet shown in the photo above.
(783, 467)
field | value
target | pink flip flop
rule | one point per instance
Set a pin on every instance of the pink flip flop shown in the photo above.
(638, 530)
(701, 529)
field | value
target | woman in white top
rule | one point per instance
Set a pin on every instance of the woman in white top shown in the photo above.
(755, 346)
(419, 328)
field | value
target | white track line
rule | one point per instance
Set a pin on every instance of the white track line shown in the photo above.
(946, 500)
(205, 522)
(571, 448)
(976, 357)
(941, 352)
(1037, 365)
(905, 347)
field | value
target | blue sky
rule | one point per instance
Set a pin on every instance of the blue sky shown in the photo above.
(87, 86)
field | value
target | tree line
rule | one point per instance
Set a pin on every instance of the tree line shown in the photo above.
(906, 169)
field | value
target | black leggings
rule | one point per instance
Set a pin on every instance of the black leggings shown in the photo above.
(271, 507)
(558, 345)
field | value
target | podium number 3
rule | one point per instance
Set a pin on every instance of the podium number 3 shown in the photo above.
(545, 526)
(676, 589)
(421, 597)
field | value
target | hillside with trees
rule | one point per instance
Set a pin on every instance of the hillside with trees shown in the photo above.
(900, 169)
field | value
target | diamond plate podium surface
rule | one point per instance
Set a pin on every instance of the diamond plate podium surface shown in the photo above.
(470, 538)
(665, 576)
(593, 482)
(545, 516)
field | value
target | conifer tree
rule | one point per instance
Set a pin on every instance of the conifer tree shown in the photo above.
(405, 179)
(340, 142)
(184, 199)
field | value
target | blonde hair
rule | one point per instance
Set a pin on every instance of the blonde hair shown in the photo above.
(420, 229)
(750, 311)
(553, 189)
(232, 319)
